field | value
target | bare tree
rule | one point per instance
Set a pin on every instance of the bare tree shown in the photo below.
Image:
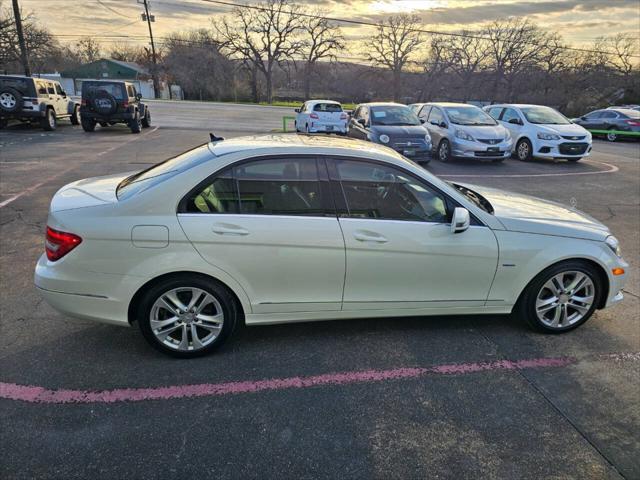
(514, 45)
(466, 55)
(127, 53)
(263, 37)
(88, 50)
(393, 44)
(437, 62)
(624, 48)
(321, 40)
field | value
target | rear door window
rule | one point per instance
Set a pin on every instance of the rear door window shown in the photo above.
(436, 117)
(51, 89)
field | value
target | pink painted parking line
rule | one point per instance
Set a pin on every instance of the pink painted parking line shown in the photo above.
(35, 394)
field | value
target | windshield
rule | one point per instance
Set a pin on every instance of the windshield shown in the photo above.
(393, 115)
(544, 116)
(162, 171)
(469, 116)
(475, 197)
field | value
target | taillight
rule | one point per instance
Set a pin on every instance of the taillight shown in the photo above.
(57, 244)
(633, 123)
(125, 104)
(34, 101)
(314, 115)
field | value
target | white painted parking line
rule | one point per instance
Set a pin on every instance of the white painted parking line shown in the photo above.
(610, 169)
(62, 172)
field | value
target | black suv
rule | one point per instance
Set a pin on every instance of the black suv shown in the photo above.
(107, 102)
(35, 100)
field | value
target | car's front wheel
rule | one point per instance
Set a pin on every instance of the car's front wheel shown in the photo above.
(562, 297)
(524, 150)
(75, 116)
(444, 151)
(146, 120)
(135, 124)
(187, 316)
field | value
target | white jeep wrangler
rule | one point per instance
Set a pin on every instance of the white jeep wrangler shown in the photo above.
(29, 99)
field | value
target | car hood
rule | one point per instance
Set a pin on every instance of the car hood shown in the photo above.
(570, 129)
(399, 131)
(523, 213)
(488, 132)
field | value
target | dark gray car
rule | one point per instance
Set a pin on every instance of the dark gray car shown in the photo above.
(612, 120)
(393, 125)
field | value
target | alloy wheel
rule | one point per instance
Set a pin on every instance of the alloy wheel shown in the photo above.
(186, 319)
(565, 299)
(612, 137)
(7, 100)
(443, 152)
(523, 150)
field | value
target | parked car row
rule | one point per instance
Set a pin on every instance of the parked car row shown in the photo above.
(455, 130)
(103, 102)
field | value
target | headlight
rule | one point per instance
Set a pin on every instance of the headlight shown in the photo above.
(614, 245)
(384, 138)
(464, 135)
(548, 136)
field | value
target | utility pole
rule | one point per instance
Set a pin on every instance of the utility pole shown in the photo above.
(153, 49)
(24, 55)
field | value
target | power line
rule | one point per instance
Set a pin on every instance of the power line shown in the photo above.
(112, 10)
(381, 25)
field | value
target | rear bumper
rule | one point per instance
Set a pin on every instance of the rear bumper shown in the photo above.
(328, 127)
(24, 115)
(114, 117)
(87, 295)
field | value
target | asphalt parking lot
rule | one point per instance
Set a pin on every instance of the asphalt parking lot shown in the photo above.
(437, 397)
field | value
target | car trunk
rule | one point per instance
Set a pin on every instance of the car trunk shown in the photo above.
(89, 192)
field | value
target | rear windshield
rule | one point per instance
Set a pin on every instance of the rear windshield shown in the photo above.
(629, 113)
(23, 85)
(91, 88)
(162, 171)
(327, 107)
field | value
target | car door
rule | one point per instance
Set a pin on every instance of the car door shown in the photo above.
(423, 114)
(400, 249)
(61, 100)
(356, 129)
(591, 121)
(608, 119)
(300, 117)
(434, 126)
(270, 223)
(512, 121)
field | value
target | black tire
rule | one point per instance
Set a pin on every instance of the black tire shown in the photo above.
(225, 299)
(75, 116)
(526, 306)
(135, 124)
(10, 100)
(49, 121)
(88, 124)
(146, 120)
(574, 159)
(444, 151)
(524, 150)
(611, 137)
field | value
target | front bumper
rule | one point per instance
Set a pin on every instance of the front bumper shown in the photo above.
(86, 295)
(479, 150)
(561, 149)
(617, 283)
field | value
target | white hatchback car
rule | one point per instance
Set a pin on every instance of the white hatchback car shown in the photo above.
(287, 228)
(321, 116)
(543, 132)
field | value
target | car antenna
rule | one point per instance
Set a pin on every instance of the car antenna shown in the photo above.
(214, 138)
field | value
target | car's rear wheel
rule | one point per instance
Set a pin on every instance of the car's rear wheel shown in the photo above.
(88, 124)
(562, 297)
(524, 150)
(75, 116)
(611, 135)
(444, 151)
(135, 124)
(187, 316)
(49, 122)
(146, 120)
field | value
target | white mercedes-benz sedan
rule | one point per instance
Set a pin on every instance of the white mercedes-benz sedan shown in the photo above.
(287, 228)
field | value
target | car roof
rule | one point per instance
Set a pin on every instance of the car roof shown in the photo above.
(296, 143)
(381, 104)
(450, 104)
(314, 102)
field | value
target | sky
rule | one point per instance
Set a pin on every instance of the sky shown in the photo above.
(579, 22)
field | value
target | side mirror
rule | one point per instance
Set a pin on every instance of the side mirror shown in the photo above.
(460, 221)
(515, 121)
(297, 110)
(362, 122)
(443, 125)
(138, 96)
(422, 120)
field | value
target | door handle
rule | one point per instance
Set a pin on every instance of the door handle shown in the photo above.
(229, 229)
(365, 236)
